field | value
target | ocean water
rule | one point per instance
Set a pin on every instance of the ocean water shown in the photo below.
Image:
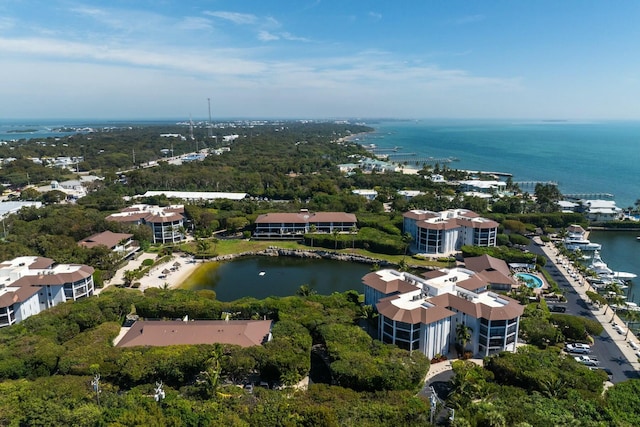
(582, 157)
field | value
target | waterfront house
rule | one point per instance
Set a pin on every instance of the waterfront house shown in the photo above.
(442, 233)
(600, 210)
(423, 313)
(29, 285)
(296, 225)
(481, 186)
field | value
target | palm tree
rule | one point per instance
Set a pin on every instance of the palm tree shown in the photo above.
(305, 291)
(463, 335)
(128, 276)
(312, 231)
(211, 375)
(407, 238)
(335, 233)
(368, 313)
(354, 233)
(203, 247)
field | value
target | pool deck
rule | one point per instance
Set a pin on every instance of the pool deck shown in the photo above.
(602, 314)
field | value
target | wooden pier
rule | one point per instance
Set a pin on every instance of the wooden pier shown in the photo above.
(590, 196)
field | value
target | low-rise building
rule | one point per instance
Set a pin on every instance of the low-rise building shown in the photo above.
(441, 233)
(29, 285)
(158, 333)
(120, 243)
(296, 225)
(600, 210)
(369, 194)
(423, 313)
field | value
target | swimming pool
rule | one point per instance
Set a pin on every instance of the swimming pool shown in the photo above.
(531, 280)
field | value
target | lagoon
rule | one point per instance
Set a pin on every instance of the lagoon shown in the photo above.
(282, 276)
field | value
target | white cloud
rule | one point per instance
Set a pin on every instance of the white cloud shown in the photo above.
(235, 17)
(266, 36)
(194, 23)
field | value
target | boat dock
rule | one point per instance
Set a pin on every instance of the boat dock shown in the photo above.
(501, 174)
(620, 335)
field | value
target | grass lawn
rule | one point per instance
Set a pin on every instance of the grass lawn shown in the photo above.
(234, 246)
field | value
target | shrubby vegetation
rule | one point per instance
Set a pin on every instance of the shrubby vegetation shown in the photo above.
(62, 348)
(538, 388)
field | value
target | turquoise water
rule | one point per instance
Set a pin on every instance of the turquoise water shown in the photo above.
(582, 157)
(532, 281)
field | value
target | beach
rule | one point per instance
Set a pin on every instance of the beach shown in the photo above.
(171, 273)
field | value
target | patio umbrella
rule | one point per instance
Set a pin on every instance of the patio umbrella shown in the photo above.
(176, 264)
(165, 271)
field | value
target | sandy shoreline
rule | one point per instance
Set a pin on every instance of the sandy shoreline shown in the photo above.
(178, 269)
(174, 278)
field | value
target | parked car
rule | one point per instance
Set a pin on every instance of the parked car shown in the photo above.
(587, 361)
(578, 348)
(557, 308)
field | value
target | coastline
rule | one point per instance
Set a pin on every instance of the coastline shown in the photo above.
(608, 321)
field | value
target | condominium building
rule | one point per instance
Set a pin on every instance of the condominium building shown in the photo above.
(423, 313)
(119, 243)
(441, 233)
(295, 225)
(166, 222)
(29, 285)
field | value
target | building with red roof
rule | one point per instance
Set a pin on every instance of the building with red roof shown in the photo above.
(29, 285)
(296, 224)
(423, 313)
(166, 222)
(245, 333)
(120, 243)
(443, 233)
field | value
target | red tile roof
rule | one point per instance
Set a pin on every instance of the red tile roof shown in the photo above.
(305, 217)
(374, 281)
(245, 333)
(106, 238)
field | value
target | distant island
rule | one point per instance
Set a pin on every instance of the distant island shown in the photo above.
(22, 130)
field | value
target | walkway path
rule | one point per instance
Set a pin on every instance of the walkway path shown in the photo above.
(603, 314)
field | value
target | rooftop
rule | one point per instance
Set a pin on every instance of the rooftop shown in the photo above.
(245, 333)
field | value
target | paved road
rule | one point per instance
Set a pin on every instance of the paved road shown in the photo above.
(610, 348)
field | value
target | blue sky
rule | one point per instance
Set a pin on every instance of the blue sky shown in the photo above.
(538, 59)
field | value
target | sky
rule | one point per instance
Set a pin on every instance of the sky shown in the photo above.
(155, 59)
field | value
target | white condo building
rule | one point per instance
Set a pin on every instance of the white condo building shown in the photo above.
(29, 285)
(166, 222)
(423, 313)
(446, 232)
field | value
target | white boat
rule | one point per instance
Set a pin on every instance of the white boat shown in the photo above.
(583, 244)
(576, 239)
(605, 273)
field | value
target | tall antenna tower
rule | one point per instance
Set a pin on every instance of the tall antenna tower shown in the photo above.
(191, 128)
(210, 133)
